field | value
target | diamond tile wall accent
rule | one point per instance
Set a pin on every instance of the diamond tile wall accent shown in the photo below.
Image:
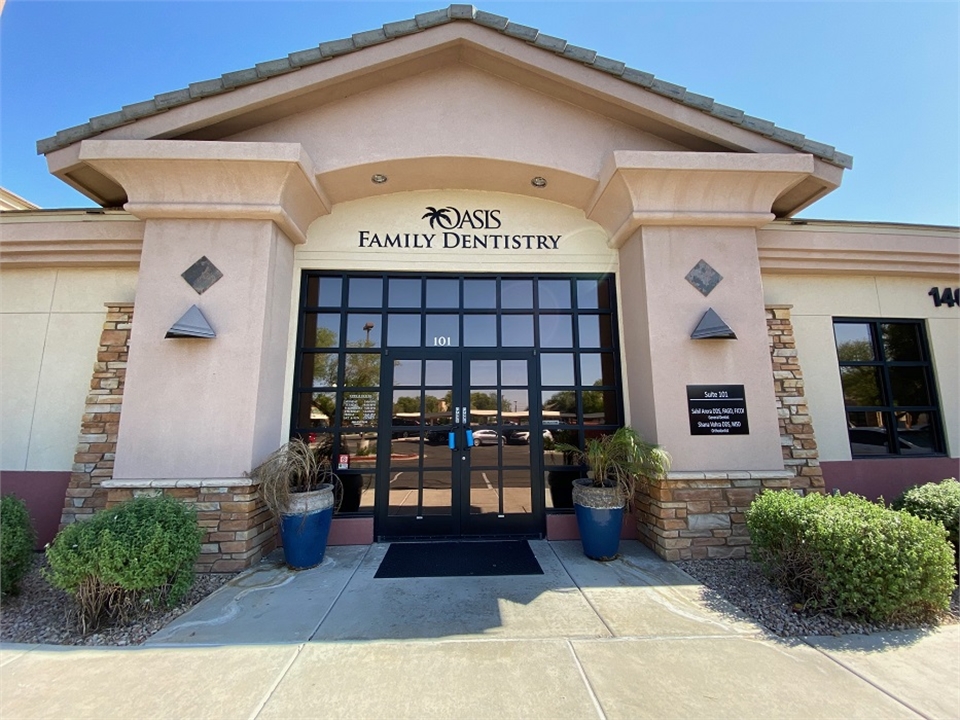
(201, 275)
(703, 277)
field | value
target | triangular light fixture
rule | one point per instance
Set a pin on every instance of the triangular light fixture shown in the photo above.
(192, 325)
(711, 327)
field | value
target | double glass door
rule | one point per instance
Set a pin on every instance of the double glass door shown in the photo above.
(463, 444)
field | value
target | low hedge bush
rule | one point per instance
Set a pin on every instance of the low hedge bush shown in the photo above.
(126, 559)
(846, 555)
(16, 543)
(939, 502)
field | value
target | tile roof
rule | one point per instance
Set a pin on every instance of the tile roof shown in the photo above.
(456, 12)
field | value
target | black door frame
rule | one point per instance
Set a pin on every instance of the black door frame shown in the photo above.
(460, 523)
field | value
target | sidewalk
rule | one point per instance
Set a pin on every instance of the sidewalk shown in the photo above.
(627, 639)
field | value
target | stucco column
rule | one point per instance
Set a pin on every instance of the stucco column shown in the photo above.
(209, 408)
(666, 212)
(661, 311)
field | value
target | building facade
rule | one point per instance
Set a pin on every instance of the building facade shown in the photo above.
(451, 224)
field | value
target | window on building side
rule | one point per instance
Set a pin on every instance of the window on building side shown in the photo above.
(889, 392)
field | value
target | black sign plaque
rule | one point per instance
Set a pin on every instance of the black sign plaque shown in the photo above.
(717, 410)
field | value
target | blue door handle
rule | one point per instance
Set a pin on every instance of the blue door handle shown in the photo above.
(470, 442)
(451, 439)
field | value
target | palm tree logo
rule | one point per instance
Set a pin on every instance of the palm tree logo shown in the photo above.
(441, 216)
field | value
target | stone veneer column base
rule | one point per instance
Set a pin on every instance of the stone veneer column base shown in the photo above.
(239, 530)
(696, 515)
(97, 442)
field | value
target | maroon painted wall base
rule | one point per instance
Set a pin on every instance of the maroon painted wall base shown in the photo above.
(886, 477)
(43, 492)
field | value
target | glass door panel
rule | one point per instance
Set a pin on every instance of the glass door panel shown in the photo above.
(500, 489)
(420, 470)
(436, 482)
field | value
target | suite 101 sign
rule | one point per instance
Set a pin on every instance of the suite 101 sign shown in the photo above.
(717, 410)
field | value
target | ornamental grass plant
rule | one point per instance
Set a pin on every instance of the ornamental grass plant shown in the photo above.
(295, 467)
(848, 556)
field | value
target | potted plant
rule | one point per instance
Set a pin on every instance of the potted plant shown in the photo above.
(297, 483)
(618, 463)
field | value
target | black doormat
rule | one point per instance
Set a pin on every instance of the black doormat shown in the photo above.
(459, 559)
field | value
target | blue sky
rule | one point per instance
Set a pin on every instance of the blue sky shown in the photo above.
(880, 81)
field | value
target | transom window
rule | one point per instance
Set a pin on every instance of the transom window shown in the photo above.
(888, 387)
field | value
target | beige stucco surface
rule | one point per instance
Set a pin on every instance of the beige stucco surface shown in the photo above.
(817, 300)
(460, 112)
(661, 310)
(198, 407)
(50, 321)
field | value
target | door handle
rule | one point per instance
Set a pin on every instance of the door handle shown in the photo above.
(470, 442)
(452, 440)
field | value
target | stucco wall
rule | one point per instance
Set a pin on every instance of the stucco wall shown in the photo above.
(50, 322)
(817, 300)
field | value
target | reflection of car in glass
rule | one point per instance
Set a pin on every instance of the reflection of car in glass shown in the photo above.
(437, 437)
(522, 437)
(874, 441)
(485, 436)
(414, 426)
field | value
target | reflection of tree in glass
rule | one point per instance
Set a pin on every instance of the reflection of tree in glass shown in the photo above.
(406, 404)
(362, 369)
(900, 342)
(565, 401)
(855, 351)
(860, 385)
(325, 364)
(324, 403)
(483, 401)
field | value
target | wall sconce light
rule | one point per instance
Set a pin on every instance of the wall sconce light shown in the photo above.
(192, 325)
(711, 327)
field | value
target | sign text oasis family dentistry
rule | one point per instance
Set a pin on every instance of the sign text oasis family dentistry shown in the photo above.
(452, 229)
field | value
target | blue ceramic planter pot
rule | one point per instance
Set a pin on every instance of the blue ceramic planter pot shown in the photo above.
(305, 531)
(305, 538)
(599, 514)
(599, 531)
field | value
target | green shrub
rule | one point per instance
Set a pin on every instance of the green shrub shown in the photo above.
(939, 502)
(16, 543)
(847, 555)
(126, 558)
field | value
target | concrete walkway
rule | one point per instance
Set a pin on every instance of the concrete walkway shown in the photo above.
(627, 639)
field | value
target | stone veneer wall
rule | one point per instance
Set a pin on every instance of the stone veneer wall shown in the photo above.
(97, 444)
(694, 515)
(238, 528)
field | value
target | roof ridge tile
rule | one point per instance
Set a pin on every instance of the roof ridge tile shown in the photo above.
(310, 56)
(432, 18)
(549, 42)
(455, 12)
(369, 37)
(497, 22)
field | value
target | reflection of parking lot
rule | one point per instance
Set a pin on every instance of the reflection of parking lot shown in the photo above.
(442, 456)
(491, 489)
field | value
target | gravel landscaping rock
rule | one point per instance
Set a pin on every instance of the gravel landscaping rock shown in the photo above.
(743, 584)
(43, 614)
